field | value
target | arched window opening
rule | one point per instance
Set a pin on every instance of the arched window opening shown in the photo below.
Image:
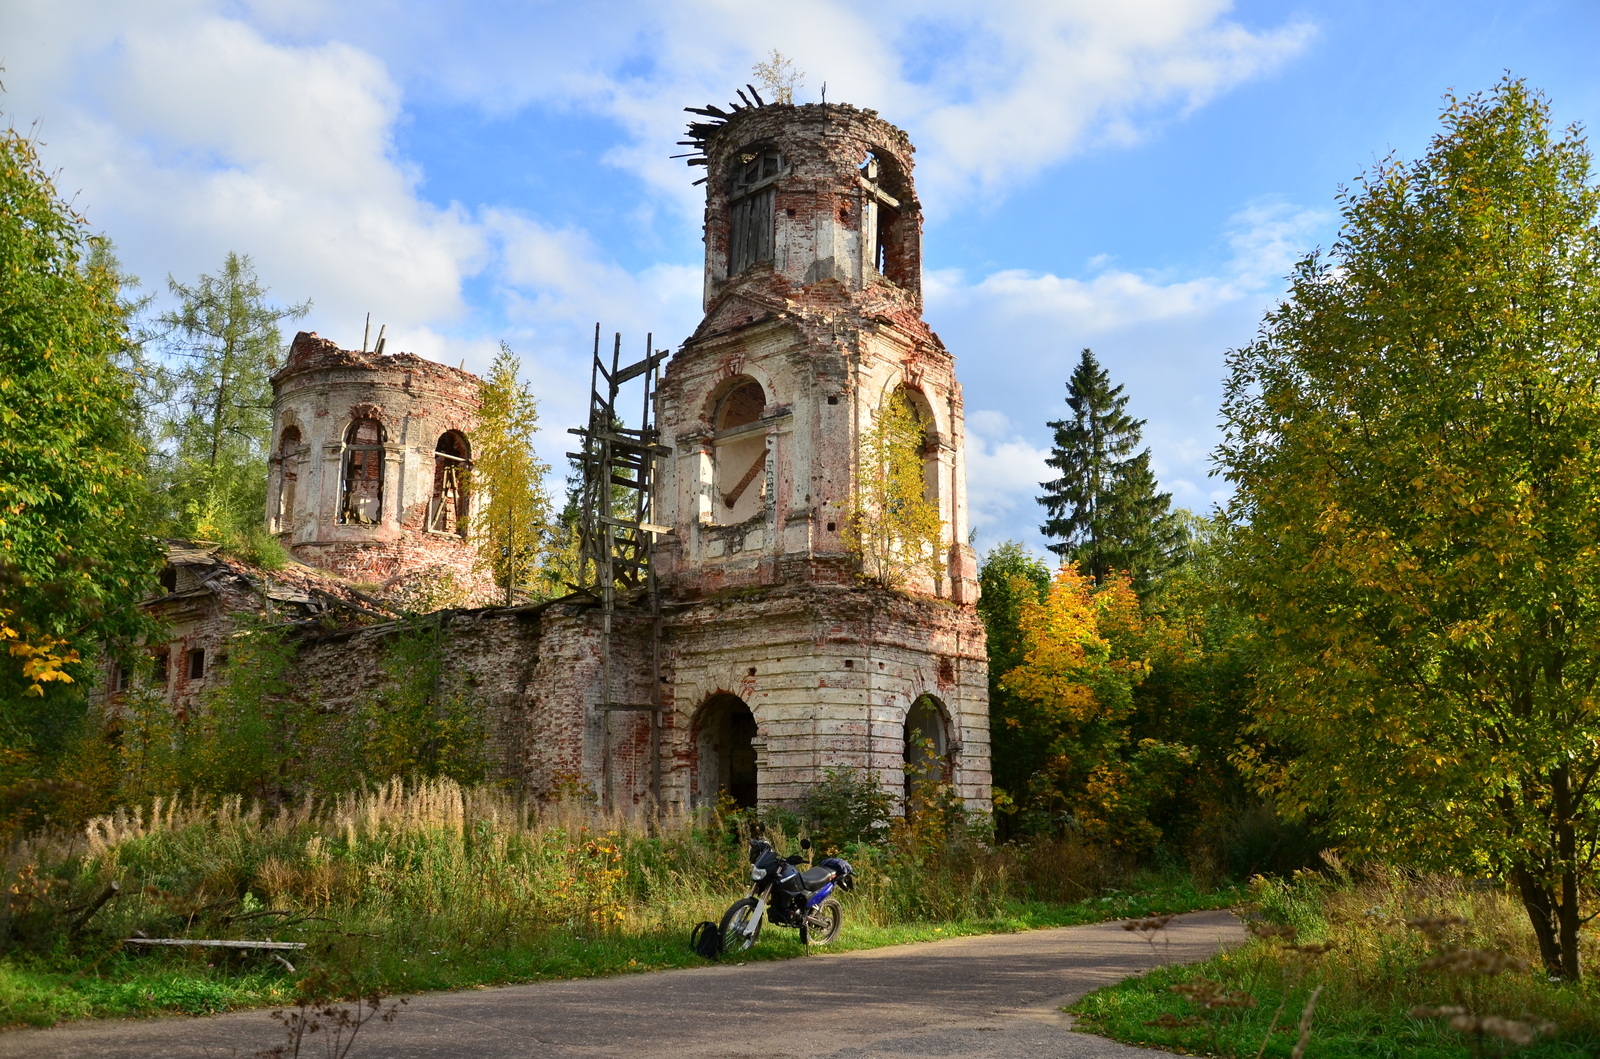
(288, 478)
(930, 442)
(927, 746)
(725, 754)
(751, 186)
(740, 454)
(888, 222)
(452, 467)
(362, 494)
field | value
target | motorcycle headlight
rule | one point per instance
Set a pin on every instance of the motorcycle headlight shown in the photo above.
(757, 874)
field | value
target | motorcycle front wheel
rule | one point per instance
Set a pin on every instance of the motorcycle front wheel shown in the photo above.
(735, 923)
(823, 922)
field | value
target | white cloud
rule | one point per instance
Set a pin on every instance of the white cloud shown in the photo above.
(1003, 475)
(991, 93)
(1018, 336)
(190, 135)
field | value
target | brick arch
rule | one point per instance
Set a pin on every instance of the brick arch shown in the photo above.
(738, 373)
(927, 717)
(723, 733)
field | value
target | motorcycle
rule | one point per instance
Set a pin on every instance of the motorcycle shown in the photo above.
(789, 897)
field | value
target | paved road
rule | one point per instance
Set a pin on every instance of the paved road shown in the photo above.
(994, 996)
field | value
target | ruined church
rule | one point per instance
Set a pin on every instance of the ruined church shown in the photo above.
(761, 659)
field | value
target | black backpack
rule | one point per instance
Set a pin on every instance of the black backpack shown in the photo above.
(706, 939)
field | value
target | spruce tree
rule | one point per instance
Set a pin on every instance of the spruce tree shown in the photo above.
(1104, 510)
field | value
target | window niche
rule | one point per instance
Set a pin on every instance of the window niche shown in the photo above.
(889, 227)
(452, 468)
(751, 187)
(740, 453)
(361, 496)
(288, 479)
(927, 746)
(931, 479)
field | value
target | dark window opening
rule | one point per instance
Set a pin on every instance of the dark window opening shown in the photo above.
(362, 500)
(750, 200)
(831, 527)
(724, 741)
(927, 746)
(890, 225)
(288, 478)
(849, 663)
(121, 679)
(158, 670)
(197, 663)
(833, 400)
(169, 579)
(452, 469)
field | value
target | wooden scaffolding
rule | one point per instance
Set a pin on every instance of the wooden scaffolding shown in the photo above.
(616, 534)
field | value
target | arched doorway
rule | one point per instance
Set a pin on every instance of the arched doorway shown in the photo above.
(927, 744)
(725, 754)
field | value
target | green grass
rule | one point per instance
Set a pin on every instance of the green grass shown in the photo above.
(43, 990)
(1370, 981)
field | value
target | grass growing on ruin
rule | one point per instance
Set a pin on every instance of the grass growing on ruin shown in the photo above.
(410, 889)
(1376, 974)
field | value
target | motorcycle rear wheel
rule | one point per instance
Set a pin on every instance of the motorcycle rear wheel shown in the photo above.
(823, 922)
(735, 921)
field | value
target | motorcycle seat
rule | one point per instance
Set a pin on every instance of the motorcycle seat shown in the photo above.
(817, 878)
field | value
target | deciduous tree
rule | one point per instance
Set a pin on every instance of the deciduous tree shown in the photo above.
(894, 529)
(73, 560)
(1413, 441)
(511, 529)
(1085, 647)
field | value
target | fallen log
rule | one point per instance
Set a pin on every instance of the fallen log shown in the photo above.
(283, 946)
(112, 889)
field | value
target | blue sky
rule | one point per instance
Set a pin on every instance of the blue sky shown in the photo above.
(1135, 177)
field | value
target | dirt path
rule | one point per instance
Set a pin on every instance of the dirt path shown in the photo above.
(992, 996)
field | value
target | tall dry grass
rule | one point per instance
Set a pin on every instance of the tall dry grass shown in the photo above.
(446, 865)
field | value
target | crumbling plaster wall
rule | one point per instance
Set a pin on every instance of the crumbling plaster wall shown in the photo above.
(829, 338)
(319, 392)
(829, 673)
(533, 670)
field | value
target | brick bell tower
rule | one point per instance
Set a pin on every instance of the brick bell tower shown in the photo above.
(784, 663)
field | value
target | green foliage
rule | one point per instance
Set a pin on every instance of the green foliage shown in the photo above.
(511, 528)
(72, 495)
(846, 807)
(222, 344)
(1104, 510)
(1378, 972)
(259, 547)
(1007, 577)
(894, 529)
(422, 720)
(251, 735)
(1412, 441)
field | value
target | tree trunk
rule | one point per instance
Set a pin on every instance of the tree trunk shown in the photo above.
(1540, 902)
(1567, 915)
